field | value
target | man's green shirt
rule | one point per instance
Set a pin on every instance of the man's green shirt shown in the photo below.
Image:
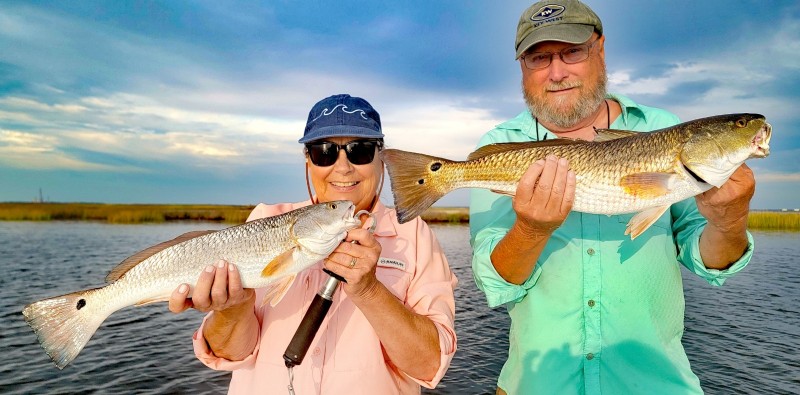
(600, 313)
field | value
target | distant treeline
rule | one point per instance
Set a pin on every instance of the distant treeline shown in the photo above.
(155, 213)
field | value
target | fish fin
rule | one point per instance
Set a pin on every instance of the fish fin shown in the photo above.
(417, 180)
(497, 148)
(277, 290)
(647, 185)
(502, 192)
(279, 263)
(64, 324)
(643, 219)
(150, 301)
(135, 259)
(611, 134)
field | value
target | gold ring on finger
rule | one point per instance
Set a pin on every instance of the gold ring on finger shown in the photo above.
(353, 262)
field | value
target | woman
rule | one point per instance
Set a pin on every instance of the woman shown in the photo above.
(389, 332)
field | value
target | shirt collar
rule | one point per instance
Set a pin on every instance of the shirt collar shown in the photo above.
(525, 123)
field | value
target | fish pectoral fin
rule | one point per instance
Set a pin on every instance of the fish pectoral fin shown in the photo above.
(502, 192)
(150, 301)
(647, 185)
(278, 265)
(642, 220)
(277, 290)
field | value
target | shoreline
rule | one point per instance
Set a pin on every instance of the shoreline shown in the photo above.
(233, 214)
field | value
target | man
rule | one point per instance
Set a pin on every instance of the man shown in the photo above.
(592, 311)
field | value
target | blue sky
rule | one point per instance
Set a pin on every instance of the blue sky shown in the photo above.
(203, 102)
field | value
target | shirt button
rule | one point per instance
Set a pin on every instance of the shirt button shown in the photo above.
(590, 251)
(589, 356)
(591, 303)
(316, 351)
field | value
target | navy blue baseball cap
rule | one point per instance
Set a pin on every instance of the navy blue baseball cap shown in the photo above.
(342, 115)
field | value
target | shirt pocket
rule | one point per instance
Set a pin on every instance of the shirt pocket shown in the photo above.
(395, 280)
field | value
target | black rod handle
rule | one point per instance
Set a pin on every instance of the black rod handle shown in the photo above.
(308, 328)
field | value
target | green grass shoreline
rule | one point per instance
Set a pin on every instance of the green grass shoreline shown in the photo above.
(233, 214)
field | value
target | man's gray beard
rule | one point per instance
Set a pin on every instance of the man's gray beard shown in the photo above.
(584, 108)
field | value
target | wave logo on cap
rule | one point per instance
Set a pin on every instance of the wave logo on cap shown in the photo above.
(327, 112)
(547, 12)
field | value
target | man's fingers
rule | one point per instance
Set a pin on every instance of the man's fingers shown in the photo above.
(527, 183)
(545, 184)
(559, 185)
(569, 193)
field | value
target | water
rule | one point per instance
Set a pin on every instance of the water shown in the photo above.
(742, 338)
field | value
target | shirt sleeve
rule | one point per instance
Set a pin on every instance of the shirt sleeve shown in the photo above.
(687, 226)
(208, 358)
(491, 216)
(430, 294)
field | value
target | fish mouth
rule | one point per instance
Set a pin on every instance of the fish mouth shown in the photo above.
(350, 218)
(760, 142)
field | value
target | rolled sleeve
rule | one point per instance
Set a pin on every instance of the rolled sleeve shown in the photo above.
(447, 343)
(491, 216)
(688, 225)
(430, 294)
(694, 262)
(498, 291)
(208, 358)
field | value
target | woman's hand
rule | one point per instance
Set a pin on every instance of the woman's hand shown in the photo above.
(219, 288)
(356, 263)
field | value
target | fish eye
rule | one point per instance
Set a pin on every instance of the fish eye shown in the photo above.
(741, 122)
(332, 206)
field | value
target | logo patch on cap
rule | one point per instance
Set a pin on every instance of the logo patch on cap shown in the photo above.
(326, 112)
(547, 12)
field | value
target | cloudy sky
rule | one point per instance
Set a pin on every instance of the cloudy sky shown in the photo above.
(203, 102)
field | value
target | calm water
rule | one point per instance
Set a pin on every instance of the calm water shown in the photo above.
(741, 338)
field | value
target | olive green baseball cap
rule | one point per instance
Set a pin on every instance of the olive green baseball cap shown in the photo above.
(567, 21)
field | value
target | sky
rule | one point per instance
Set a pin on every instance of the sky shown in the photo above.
(203, 101)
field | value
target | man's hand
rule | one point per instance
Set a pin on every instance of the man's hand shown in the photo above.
(727, 207)
(544, 196)
(724, 239)
(543, 199)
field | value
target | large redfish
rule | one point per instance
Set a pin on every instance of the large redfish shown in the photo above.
(619, 172)
(269, 252)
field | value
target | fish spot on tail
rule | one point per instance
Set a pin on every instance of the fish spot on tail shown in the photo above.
(436, 166)
(81, 304)
(421, 181)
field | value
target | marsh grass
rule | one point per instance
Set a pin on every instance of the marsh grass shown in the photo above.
(122, 213)
(157, 213)
(774, 220)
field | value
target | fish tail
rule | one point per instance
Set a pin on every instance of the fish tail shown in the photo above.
(417, 181)
(65, 324)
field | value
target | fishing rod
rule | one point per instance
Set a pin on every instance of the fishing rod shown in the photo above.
(312, 320)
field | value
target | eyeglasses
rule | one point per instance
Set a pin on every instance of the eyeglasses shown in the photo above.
(359, 152)
(569, 55)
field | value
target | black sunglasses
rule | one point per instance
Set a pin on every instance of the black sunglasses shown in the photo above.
(359, 152)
